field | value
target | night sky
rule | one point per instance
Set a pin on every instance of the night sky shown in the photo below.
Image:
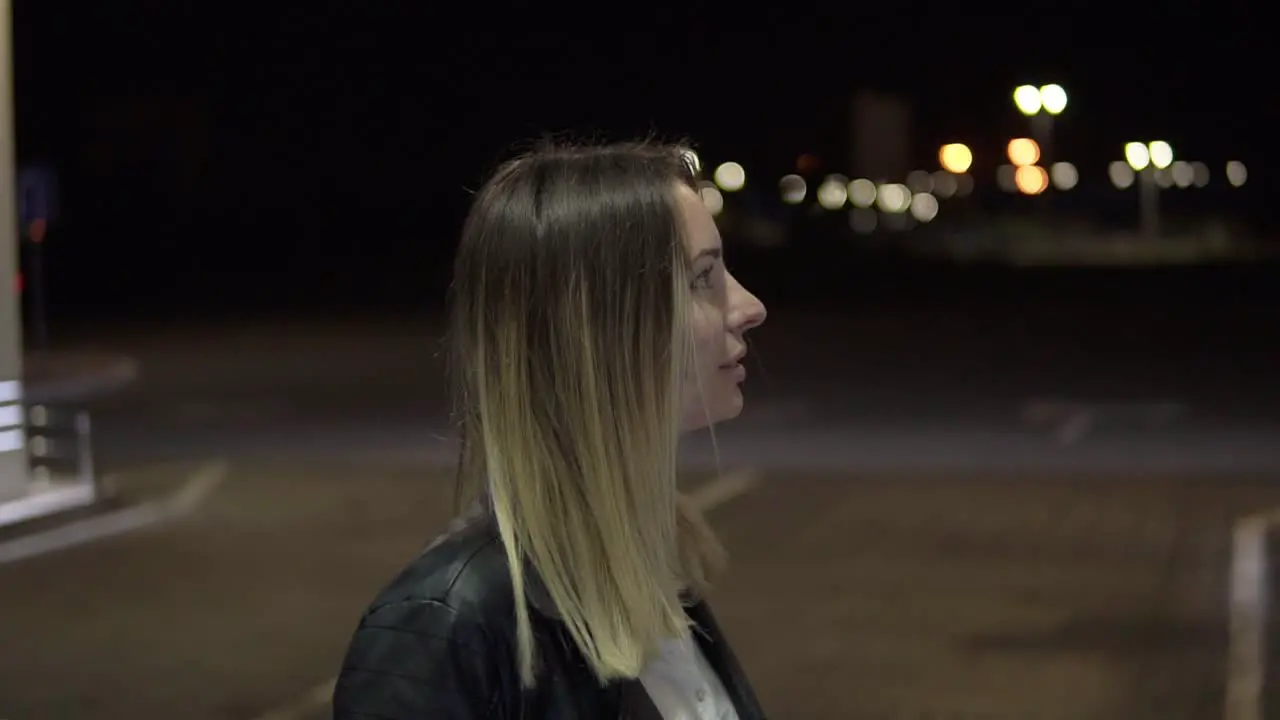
(212, 154)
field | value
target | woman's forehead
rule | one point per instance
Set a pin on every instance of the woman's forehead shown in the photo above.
(701, 233)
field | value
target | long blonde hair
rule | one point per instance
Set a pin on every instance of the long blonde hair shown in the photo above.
(571, 289)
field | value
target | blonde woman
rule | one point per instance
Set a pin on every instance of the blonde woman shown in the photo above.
(593, 321)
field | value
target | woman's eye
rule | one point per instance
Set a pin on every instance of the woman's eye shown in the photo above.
(703, 279)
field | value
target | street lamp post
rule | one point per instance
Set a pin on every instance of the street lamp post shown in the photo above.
(1146, 160)
(1041, 104)
(14, 470)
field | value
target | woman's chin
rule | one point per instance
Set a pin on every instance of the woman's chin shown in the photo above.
(728, 409)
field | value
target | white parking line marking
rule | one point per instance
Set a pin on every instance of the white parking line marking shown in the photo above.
(1247, 618)
(197, 488)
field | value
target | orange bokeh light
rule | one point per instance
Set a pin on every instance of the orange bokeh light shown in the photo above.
(955, 158)
(1031, 179)
(1023, 152)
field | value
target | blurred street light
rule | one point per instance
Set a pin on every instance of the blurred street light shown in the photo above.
(1237, 174)
(862, 193)
(1031, 179)
(793, 189)
(1031, 100)
(1041, 104)
(1137, 155)
(711, 198)
(1023, 151)
(1200, 174)
(730, 177)
(955, 158)
(1064, 175)
(945, 183)
(893, 198)
(924, 207)
(1121, 174)
(1161, 154)
(1147, 159)
(1053, 99)
(1027, 99)
(920, 181)
(833, 192)
(1183, 174)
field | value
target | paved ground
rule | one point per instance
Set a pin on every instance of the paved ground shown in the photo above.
(223, 615)
(891, 595)
(938, 386)
(922, 544)
(1017, 596)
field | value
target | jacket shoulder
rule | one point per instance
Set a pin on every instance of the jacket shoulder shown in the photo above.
(436, 641)
(466, 570)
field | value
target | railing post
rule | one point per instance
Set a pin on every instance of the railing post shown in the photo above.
(84, 452)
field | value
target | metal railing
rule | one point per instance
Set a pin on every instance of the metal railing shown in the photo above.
(60, 445)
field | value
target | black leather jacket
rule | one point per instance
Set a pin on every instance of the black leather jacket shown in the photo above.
(439, 644)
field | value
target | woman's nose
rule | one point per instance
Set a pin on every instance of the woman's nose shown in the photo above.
(745, 311)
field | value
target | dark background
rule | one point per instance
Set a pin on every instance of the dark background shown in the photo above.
(257, 158)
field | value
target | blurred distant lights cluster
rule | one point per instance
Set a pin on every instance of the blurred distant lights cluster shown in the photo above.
(915, 200)
(1024, 175)
(1155, 160)
(1031, 100)
(728, 177)
(918, 197)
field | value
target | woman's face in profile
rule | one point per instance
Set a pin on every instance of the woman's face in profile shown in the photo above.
(722, 311)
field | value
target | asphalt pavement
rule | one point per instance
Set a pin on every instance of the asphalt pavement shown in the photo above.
(871, 387)
(893, 595)
(964, 511)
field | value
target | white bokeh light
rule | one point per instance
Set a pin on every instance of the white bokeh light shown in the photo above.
(833, 193)
(1121, 174)
(1237, 174)
(862, 193)
(1161, 154)
(1200, 176)
(793, 189)
(944, 184)
(1027, 99)
(893, 198)
(730, 177)
(924, 206)
(1183, 174)
(920, 181)
(1053, 99)
(712, 199)
(1064, 175)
